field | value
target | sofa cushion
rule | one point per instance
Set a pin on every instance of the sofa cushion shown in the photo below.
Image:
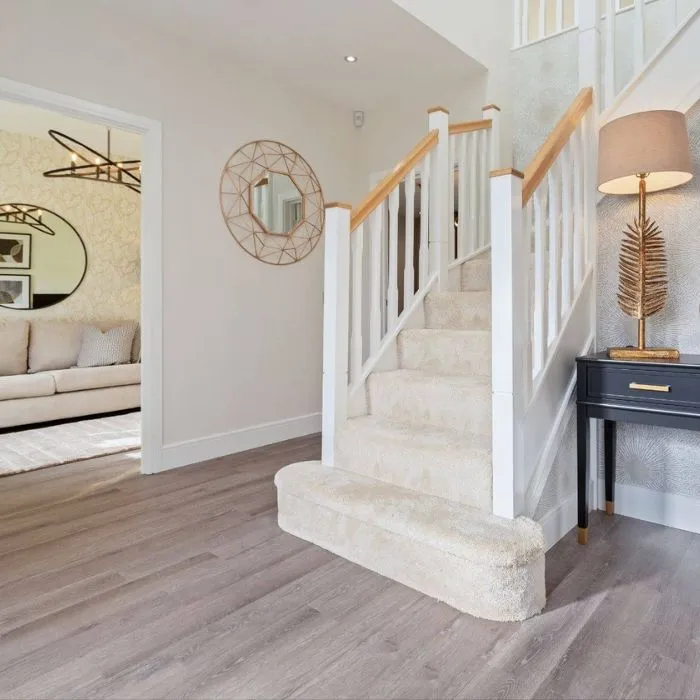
(54, 345)
(103, 348)
(84, 378)
(25, 386)
(14, 342)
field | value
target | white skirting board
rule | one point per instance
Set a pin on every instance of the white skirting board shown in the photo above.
(671, 510)
(181, 454)
(681, 512)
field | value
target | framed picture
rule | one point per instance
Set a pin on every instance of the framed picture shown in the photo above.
(15, 291)
(15, 251)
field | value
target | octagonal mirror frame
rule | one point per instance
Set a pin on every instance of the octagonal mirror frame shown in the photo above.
(245, 168)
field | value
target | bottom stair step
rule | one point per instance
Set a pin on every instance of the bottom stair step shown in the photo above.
(480, 564)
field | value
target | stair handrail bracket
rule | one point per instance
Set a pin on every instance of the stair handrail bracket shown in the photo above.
(543, 229)
(385, 255)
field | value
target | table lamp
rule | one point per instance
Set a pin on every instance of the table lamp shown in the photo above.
(641, 153)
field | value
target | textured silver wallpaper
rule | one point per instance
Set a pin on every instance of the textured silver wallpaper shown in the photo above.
(545, 81)
(655, 458)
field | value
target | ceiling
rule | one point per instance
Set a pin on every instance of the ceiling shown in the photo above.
(303, 43)
(26, 119)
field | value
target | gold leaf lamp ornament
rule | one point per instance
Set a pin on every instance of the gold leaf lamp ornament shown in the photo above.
(641, 153)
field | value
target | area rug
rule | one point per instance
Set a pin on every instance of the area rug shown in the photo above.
(26, 450)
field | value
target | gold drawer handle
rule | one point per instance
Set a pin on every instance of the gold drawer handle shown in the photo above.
(662, 388)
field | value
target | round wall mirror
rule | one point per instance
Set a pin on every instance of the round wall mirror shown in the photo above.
(43, 259)
(272, 202)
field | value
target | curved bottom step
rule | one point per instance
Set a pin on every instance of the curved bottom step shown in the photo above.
(480, 564)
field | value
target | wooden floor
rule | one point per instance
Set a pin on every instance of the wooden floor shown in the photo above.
(118, 585)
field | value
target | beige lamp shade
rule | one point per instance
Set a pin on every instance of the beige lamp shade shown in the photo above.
(655, 143)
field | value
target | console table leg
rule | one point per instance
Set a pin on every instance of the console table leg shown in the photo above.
(583, 473)
(610, 430)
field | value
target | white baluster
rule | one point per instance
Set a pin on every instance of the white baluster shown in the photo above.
(357, 242)
(392, 294)
(424, 249)
(473, 190)
(526, 21)
(577, 169)
(493, 113)
(409, 272)
(336, 326)
(554, 281)
(609, 68)
(518, 24)
(559, 15)
(542, 20)
(539, 345)
(452, 247)
(509, 336)
(375, 286)
(639, 43)
(441, 221)
(462, 246)
(483, 185)
(566, 229)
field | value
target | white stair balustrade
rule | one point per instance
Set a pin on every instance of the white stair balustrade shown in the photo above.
(405, 482)
(542, 263)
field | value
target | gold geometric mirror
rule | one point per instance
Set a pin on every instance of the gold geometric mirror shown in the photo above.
(272, 203)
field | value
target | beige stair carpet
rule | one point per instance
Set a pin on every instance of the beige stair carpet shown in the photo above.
(480, 564)
(25, 450)
(410, 496)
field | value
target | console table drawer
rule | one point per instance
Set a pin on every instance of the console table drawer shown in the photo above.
(662, 385)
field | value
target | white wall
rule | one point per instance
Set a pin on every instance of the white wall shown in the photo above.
(484, 31)
(242, 339)
(391, 132)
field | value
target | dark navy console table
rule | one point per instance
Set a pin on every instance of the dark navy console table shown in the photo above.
(653, 392)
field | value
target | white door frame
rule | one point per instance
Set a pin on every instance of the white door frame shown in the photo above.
(151, 246)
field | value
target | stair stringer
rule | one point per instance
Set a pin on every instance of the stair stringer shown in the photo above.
(668, 80)
(545, 418)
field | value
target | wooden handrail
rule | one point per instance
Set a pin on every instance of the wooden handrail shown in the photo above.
(553, 146)
(466, 127)
(387, 185)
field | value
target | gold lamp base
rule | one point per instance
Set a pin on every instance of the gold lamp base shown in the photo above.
(643, 354)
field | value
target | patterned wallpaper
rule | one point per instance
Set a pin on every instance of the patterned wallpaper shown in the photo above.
(107, 218)
(660, 459)
(545, 80)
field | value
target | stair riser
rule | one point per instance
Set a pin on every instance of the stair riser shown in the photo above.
(445, 354)
(447, 473)
(491, 592)
(467, 410)
(476, 275)
(458, 312)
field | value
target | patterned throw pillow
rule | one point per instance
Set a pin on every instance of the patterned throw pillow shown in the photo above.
(102, 348)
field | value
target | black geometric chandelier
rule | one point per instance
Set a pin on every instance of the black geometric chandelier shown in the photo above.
(25, 214)
(88, 164)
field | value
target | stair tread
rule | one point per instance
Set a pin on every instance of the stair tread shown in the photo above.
(462, 531)
(419, 376)
(422, 437)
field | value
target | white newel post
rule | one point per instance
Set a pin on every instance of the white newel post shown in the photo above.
(440, 220)
(336, 326)
(510, 337)
(493, 113)
(589, 48)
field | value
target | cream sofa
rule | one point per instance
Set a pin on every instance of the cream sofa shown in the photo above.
(49, 386)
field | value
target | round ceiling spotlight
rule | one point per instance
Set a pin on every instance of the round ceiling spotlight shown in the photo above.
(351, 59)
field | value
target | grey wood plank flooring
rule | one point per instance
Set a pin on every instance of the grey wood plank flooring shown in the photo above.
(117, 585)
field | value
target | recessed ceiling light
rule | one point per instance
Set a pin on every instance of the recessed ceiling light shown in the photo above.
(351, 59)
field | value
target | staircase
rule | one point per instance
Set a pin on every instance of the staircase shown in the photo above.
(445, 397)
(410, 495)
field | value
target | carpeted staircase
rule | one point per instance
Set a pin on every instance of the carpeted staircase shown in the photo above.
(411, 497)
